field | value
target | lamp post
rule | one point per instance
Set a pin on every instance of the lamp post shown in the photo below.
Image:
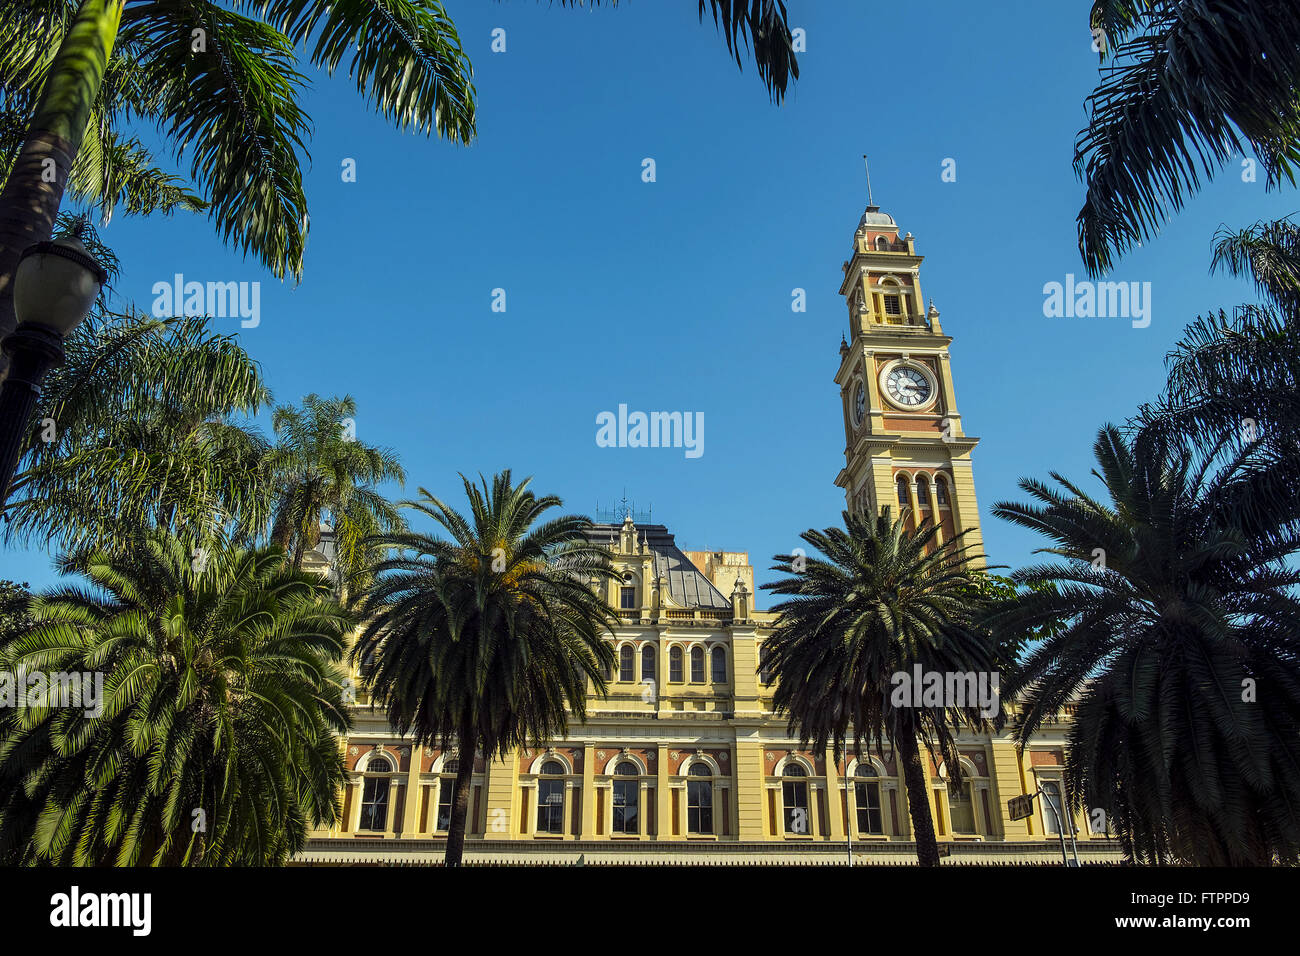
(55, 285)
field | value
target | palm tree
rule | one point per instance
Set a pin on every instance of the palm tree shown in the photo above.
(111, 169)
(881, 601)
(320, 470)
(222, 709)
(1178, 653)
(487, 639)
(223, 84)
(1267, 252)
(144, 425)
(1185, 87)
(222, 81)
(1234, 379)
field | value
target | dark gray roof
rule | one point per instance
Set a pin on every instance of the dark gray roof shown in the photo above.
(686, 584)
(874, 217)
(327, 547)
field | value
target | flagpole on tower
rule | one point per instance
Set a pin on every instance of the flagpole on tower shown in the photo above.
(867, 165)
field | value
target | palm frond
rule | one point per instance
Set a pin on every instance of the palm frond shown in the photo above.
(1198, 82)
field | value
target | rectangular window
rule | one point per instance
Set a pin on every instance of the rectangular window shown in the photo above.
(550, 806)
(961, 807)
(699, 806)
(445, 787)
(627, 599)
(626, 795)
(796, 807)
(893, 305)
(374, 804)
(870, 819)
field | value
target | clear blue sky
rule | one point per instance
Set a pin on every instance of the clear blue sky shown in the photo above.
(676, 295)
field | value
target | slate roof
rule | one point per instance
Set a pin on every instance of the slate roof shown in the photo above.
(687, 585)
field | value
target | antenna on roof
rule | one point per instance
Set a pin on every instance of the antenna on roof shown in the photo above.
(870, 200)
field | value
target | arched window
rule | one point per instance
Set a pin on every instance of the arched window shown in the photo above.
(941, 490)
(606, 670)
(446, 784)
(675, 665)
(893, 297)
(374, 795)
(699, 799)
(550, 798)
(794, 791)
(718, 661)
(764, 668)
(904, 495)
(867, 793)
(1052, 808)
(923, 491)
(882, 243)
(697, 665)
(647, 663)
(627, 798)
(626, 663)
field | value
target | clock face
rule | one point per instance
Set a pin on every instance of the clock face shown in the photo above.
(859, 404)
(908, 387)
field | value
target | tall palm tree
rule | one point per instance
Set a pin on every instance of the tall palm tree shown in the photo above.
(1179, 651)
(144, 425)
(1186, 85)
(222, 709)
(322, 471)
(487, 639)
(229, 93)
(881, 601)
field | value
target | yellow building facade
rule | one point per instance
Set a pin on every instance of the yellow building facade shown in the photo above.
(684, 761)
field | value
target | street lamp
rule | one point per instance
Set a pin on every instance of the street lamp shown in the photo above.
(55, 285)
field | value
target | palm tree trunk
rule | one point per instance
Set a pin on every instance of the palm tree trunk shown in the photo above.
(29, 202)
(460, 796)
(918, 799)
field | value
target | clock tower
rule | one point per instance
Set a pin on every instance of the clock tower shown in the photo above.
(905, 447)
